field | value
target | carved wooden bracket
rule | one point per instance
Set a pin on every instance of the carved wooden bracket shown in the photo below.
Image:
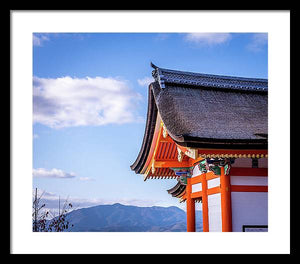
(215, 165)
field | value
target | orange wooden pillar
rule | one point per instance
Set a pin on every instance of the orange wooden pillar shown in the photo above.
(204, 203)
(190, 208)
(225, 202)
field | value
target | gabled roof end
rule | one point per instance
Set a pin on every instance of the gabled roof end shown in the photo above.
(153, 65)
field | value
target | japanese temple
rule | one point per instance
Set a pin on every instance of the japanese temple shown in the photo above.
(210, 133)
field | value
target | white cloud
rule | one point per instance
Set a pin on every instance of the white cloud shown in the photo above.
(208, 38)
(145, 81)
(39, 39)
(258, 42)
(54, 173)
(70, 102)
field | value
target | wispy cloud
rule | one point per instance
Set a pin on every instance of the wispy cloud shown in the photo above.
(39, 39)
(258, 42)
(53, 173)
(208, 39)
(145, 81)
(70, 102)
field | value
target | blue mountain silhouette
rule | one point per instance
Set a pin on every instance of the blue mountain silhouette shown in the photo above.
(127, 218)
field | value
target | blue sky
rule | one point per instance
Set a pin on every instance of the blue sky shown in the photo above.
(90, 105)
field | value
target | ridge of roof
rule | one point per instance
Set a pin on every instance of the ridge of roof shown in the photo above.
(168, 77)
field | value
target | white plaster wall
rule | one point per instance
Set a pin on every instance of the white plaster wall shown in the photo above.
(213, 183)
(214, 212)
(198, 217)
(249, 180)
(249, 208)
(196, 187)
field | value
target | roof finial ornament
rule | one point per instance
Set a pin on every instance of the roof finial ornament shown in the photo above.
(153, 66)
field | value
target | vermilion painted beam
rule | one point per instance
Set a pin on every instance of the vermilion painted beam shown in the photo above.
(204, 204)
(259, 172)
(196, 194)
(262, 172)
(170, 164)
(196, 179)
(190, 208)
(213, 190)
(210, 175)
(225, 202)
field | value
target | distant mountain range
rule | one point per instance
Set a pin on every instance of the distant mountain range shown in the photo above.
(125, 218)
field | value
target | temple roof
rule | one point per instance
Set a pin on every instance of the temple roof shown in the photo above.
(177, 190)
(167, 77)
(207, 111)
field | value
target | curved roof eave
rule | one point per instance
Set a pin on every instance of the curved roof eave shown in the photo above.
(148, 134)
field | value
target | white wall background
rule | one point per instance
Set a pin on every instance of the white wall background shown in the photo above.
(249, 180)
(197, 187)
(214, 212)
(213, 183)
(249, 208)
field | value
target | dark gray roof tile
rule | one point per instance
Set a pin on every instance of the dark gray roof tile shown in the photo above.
(207, 111)
(171, 77)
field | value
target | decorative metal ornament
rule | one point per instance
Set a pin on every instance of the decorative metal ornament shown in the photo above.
(192, 153)
(164, 132)
(180, 155)
(153, 168)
